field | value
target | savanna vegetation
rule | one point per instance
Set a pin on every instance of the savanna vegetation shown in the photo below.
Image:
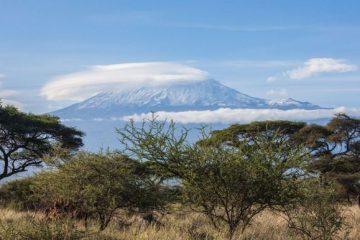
(262, 180)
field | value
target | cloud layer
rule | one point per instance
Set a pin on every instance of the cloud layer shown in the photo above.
(315, 66)
(228, 116)
(116, 77)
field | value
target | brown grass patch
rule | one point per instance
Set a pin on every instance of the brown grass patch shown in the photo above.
(182, 226)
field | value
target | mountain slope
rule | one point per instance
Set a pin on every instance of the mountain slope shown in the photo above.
(204, 95)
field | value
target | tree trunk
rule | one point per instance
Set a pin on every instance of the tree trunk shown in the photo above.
(4, 174)
(232, 230)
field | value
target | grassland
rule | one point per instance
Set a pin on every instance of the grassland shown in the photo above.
(27, 225)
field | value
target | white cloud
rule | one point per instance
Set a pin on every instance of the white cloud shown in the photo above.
(81, 85)
(277, 93)
(320, 65)
(227, 115)
(8, 102)
(5, 93)
(315, 66)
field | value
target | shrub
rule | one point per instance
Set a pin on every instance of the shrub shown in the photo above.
(19, 195)
(317, 215)
(96, 185)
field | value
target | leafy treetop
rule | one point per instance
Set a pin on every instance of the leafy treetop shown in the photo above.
(26, 138)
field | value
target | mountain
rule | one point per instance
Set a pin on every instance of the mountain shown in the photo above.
(203, 95)
(290, 103)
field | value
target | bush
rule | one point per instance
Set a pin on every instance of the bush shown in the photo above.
(19, 195)
(317, 215)
(96, 185)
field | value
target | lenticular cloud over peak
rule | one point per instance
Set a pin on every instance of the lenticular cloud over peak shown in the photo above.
(116, 77)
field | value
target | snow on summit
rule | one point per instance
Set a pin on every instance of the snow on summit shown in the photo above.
(197, 95)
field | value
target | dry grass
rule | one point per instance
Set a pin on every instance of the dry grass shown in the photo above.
(353, 219)
(268, 225)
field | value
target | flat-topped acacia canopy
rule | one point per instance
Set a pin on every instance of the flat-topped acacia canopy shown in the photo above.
(26, 138)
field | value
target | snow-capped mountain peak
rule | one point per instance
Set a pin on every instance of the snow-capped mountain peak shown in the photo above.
(203, 95)
(289, 103)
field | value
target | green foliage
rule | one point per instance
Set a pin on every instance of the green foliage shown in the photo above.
(335, 151)
(317, 214)
(335, 141)
(19, 195)
(96, 185)
(229, 183)
(90, 185)
(159, 144)
(230, 176)
(26, 138)
(233, 185)
(249, 133)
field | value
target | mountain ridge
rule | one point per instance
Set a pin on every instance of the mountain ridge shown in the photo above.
(201, 95)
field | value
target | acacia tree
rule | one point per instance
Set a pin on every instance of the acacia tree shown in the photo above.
(252, 134)
(161, 144)
(233, 185)
(230, 183)
(338, 139)
(335, 150)
(25, 139)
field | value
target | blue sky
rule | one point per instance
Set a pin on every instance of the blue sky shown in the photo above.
(240, 43)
